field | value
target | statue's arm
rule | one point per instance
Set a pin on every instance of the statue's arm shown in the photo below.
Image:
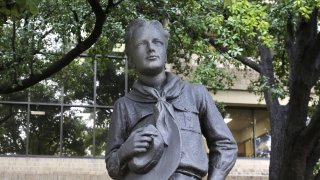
(222, 146)
(116, 137)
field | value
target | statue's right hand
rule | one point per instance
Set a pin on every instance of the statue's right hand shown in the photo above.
(138, 142)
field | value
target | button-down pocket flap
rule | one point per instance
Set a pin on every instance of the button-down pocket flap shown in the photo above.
(183, 106)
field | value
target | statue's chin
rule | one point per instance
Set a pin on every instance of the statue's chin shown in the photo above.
(152, 71)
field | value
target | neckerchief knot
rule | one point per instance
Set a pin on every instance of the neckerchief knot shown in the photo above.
(163, 110)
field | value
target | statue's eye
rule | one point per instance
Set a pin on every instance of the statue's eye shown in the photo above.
(140, 44)
(157, 41)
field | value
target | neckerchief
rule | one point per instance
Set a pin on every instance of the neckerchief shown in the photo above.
(163, 110)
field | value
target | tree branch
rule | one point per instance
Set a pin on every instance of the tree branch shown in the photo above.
(290, 30)
(312, 159)
(109, 6)
(118, 2)
(44, 35)
(290, 39)
(315, 50)
(317, 62)
(313, 45)
(267, 70)
(13, 40)
(243, 59)
(304, 49)
(67, 58)
(15, 59)
(311, 133)
(248, 62)
(302, 75)
(10, 64)
(4, 119)
(76, 18)
(307, 30)
(317, 177)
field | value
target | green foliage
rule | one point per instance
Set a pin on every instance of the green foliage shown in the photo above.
(12, 124)
(12, 9)
(261, 85)
(2, 131)
(305, 7)
(240, 26)
(316, 169)
(32, 44)
(249, 19)
(214, 78)
(317, 88)
(221, 107)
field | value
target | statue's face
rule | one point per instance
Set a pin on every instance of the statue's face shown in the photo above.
(148, 51)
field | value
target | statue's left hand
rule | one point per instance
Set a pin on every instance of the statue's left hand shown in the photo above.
(138, 142)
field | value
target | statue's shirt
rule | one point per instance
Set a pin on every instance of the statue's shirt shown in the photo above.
(195, 114)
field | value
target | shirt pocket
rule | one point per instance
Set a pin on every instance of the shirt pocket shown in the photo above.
(188, 117)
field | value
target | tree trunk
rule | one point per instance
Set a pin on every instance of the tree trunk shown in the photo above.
(277, 114)
(295, 154)
(317, 176)
(277, 122)
(312, 160)
(299, 139)
(294, 165)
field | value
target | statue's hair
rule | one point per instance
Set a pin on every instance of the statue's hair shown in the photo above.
(138, 23)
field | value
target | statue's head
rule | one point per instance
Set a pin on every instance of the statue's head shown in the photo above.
(146, 45)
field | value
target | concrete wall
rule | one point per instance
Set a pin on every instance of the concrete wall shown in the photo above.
(41, 168)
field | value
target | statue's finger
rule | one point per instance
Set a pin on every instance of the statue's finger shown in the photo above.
(149, 133)
(142, 145)
(140, 150)
(146, 139)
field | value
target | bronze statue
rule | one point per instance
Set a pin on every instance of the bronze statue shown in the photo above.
(156, 129)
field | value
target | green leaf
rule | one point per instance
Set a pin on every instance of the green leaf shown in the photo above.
(21, 5)
(32, 6)
(227, 3)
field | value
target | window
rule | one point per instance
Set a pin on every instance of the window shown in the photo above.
(13, 129)
(251, 129)
(77, 135)
(65, 115)
(44, 135)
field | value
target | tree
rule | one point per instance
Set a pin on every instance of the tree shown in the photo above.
(281, 41)
(278, 39)
(36, 42)
(22, 64)
(14, 10)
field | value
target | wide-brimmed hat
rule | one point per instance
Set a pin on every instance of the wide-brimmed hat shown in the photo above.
(142, 163)
(160, 161)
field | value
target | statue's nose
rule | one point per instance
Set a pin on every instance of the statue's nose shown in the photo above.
(151, 47)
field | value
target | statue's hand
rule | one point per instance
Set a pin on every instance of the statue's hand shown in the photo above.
(138, 142)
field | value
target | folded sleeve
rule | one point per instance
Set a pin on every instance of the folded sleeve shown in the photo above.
(116, 137)
(222, 146)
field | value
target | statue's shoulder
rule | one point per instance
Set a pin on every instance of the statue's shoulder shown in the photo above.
(196, 88)
(123, 101)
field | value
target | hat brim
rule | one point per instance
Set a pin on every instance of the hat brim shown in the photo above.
(144, 162)
(168, 162)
